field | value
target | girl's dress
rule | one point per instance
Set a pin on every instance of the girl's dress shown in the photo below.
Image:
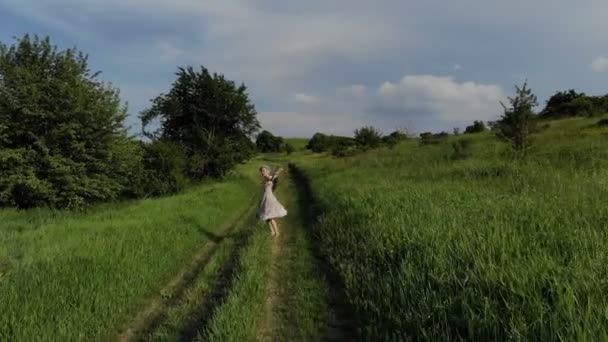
(270, 207)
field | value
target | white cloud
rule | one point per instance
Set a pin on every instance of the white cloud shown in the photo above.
(306, 99)
(600, 64)
(457, 66)
(441, 97)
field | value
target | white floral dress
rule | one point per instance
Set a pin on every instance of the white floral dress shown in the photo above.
(270, 207)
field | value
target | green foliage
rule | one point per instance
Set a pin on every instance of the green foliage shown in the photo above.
(519, 121)
(477, 127)
(324, 143)
(368, 137)
(570, 104)
(209, 117)
(60, 128)
(394, 138)
(289, 149)
(428, 138)
(603, 123)
(267, 142)
(461, 149)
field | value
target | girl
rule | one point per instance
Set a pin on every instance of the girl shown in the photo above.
(270, 208)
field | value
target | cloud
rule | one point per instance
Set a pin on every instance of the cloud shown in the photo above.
(335, 64)
(306, 99)
(440, 98)
(600, 64)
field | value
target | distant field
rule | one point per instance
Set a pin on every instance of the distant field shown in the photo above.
(479, 248)
(80, 276)
(298, 143)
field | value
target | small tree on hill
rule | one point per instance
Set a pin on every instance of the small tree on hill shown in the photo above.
(268, 142)
(477, 127)
(368, 137)
(289, 149)
(519, 122)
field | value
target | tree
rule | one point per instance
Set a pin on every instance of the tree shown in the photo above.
(289, 149)
(476, 127)
(394, 138)
(208, 116)
(368, 137)
(519, 121)
(61, 129)
(267, 142)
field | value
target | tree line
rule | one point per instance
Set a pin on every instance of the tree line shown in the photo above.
(64, 142)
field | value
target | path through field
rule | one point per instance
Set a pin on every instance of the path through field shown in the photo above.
(299, 300)
(300, 303)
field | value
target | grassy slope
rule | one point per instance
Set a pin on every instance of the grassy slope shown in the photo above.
(298, 143)
(482, 248)
(79, 276)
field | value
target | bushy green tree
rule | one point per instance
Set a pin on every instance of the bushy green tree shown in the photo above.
(60, 128)
(394, 138)
(519, 121)
(209, 117)
(289, 149)
(477, 127)
(323, 143)
(268, 142)
(368, 137)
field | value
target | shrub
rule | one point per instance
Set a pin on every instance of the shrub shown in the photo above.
(267, 142)
(476, 127)
(368, 137)
(461, 149)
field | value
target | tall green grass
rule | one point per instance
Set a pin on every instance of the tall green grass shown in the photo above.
(80, 276)
(484, 248)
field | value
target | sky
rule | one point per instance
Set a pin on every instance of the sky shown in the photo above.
(334, 66)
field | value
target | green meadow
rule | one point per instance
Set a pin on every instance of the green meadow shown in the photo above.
(483, 247)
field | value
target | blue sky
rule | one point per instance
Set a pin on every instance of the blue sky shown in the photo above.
(333, 66)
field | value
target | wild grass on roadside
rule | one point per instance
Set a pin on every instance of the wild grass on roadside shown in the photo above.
(69, 276)
(482, 248)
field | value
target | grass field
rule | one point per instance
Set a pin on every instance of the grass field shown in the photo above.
(81, 275)
(481, 248)
(415, 242)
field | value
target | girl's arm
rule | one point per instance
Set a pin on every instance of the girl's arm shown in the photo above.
(276, 174)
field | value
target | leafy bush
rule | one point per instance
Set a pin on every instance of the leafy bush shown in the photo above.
(59, 128)
(289, 149)
(394, 138)
(368, 137)
(323, 143)
(267, 142)
(461, 149)
(476, 127)
(570, 103)
(428, 138)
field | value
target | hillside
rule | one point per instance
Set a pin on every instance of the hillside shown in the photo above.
(478, 246)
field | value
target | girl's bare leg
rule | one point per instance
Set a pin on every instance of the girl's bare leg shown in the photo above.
(272, 231)
(276, 227)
